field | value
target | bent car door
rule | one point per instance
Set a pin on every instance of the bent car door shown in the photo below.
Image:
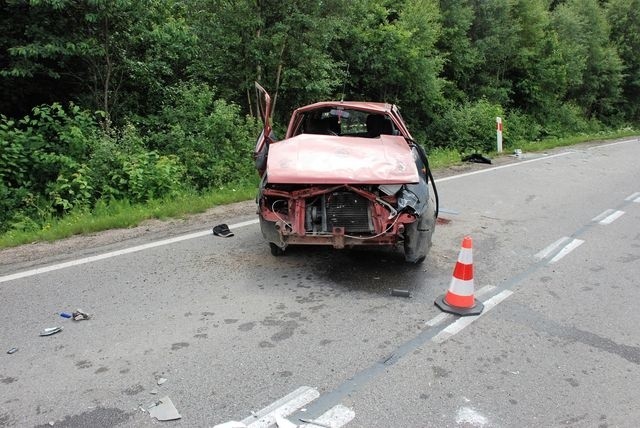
(261, 150)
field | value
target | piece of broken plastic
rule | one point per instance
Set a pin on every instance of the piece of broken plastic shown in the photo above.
(12, 351)
(164, 410)
(51, 330)
(80, 315)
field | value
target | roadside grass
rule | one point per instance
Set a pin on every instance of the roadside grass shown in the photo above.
(122, 214)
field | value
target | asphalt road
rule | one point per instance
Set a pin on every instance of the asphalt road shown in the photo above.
(556, 246)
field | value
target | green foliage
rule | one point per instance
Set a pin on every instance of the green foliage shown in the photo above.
(468, 127)
(209, 137)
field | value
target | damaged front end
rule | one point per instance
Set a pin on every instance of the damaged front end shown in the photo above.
(346, 215)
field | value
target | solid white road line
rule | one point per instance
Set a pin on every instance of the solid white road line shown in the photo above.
(567, 249)
(635, 140)
(282, 407)
(335, 417)
(110, 254)
(511, 165)
(463, 322)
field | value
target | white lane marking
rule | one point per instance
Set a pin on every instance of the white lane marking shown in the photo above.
(110, 254)
(511, 165)
(567, 249)
(282, 407)
(470, 417)
(439, 319)
(551, 248)
(335, 417)
(611, 217)
(613, 144)
(602, 215)
(461, 323)
(635, 197)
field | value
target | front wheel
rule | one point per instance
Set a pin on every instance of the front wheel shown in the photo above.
(275, 250)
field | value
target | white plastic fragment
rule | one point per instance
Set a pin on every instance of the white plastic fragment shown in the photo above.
(164, 410)
(161, 381)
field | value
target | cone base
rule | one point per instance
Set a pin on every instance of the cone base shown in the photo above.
(476, 309)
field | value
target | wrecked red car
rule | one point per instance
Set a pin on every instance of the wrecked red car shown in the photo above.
(346, 174)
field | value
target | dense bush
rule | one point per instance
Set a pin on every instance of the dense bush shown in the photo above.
(57, 159)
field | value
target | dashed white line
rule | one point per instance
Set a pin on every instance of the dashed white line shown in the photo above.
(567, 249)
(607, 217)
(282, 407)
(110, 254)
(335, 417)
(276, 413)
(635, 197)
(551, 248)
(461, 323)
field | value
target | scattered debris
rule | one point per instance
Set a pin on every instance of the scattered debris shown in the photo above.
(312, 422)
(164, 410)
(12, 351)
(477, 158)
(51, 330)
(400, 293)
(231, 424)
(161, 380)
(153, 391)
(518, 153)
(222, 230)
(80, 315)
(65, 314)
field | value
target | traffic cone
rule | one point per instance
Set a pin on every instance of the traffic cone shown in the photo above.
(459, 299)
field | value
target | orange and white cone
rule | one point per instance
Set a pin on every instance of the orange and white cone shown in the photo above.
(459, 299)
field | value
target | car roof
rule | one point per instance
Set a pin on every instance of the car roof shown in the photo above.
(358, 105)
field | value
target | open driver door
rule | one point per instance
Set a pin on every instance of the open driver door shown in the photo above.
(266, 137)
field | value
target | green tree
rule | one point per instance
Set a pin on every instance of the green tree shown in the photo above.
(624, 19)
(594, 66)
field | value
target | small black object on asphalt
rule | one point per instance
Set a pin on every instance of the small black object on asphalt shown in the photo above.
(222, 230)
(400, 293)
(477, 158)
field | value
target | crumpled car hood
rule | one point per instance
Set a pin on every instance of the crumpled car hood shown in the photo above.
(326, 159)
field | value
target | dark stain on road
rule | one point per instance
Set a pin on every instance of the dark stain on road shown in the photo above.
(179, 345)
(84, 364)
(246, 326)
(133, 390)
(572, 381)
(201, 336)
(440, 371)
(102, 370)
(99, 416)
(8, 379)
(526, 316)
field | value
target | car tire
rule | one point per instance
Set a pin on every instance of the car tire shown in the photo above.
(275, 250)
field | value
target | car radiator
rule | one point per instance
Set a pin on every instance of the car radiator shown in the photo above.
(339, 209)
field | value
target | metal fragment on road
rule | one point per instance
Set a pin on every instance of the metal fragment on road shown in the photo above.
(161, 380)
(51, 330)
(12, 351)
(164, 410)
(400, 293)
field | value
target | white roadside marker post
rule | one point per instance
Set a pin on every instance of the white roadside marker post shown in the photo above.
(499, 133)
